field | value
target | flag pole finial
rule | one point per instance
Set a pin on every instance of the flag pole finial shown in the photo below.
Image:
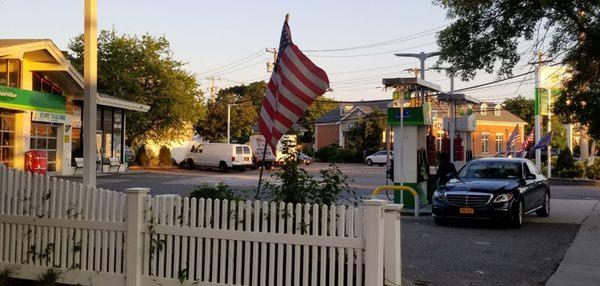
(287, 17)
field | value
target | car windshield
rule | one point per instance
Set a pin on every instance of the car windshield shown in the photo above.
(491, 170)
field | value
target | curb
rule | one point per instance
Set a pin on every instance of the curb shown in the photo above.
(573, 182)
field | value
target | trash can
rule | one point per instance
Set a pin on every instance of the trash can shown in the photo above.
(35, 162)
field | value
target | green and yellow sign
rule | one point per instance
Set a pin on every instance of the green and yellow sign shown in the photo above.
(20, 99)
(416, 116)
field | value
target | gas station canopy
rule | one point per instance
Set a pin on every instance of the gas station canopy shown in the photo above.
(411, 84)
(457, 97)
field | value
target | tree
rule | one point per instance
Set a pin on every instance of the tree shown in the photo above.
(246, 100)
(142, 69)
(315, 111)
(486, 33)
(366, 134)
(521, 107)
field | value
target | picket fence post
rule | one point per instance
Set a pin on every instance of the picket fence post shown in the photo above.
(133, 235)
(392, 257)
(374, 242)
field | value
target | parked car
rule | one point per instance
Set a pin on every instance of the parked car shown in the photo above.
(304, 159)
(493, 188)
(219, 155)
(379, 158)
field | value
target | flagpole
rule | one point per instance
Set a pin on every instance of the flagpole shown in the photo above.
(262, 167)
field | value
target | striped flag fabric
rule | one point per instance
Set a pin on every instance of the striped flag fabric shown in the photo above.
(512, 139)
(295, 83)
(528, 140)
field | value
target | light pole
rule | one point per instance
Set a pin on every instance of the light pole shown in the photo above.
(90, 73)
(452, 118)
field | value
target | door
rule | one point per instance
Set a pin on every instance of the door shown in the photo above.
(43, 137)
(239, 155)
(540, 190)
(529, 188)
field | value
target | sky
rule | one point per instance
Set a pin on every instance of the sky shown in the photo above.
(227, 39)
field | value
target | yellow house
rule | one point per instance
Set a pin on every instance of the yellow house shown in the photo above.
(41, 103)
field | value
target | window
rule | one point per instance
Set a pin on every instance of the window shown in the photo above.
(238, 150)
(247, 150)
(497, 109)
(40, 83)
(10, 73)
(499, 139)
(485, 147)
(483, 109)
(434, 115)
(533, 168)
(469, 109)
(7, 139)
(438, 140)
(43, 138)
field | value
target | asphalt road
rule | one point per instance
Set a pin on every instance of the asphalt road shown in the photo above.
(458, 254)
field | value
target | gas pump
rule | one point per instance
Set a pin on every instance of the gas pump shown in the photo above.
(412, 146)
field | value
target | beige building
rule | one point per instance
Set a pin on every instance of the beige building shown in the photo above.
(41, 103)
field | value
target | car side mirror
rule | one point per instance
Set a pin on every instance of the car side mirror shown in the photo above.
(530, 177)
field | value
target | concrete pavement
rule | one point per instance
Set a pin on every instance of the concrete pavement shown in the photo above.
(581, 264)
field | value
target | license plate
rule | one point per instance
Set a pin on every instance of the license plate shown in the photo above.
(468, 211)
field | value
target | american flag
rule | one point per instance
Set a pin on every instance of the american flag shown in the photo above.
(295, 83)
(528, 140)
(514, 136)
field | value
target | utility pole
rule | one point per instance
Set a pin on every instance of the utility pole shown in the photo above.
(213, 87)
(229, 123)
(275, 54)
(549, 148)
(538, 122)
(90, 76)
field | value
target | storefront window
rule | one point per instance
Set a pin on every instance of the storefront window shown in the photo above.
(7, 138)
(40, 83)
(117, 129)
(10, 73)
(43, 138)
(107, 127)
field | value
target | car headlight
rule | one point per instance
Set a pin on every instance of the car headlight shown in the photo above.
(503, 198)
(437, 195)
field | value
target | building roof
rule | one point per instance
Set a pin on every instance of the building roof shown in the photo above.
(505, 116)
(16, 42)
(334, 115)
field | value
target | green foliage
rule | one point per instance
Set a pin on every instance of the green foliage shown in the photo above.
(145, 157)
(521, 107)
(314, 112)
(50, 277)
(220, 191)
(485, 35)
(565, 165)
(212, 126)
(593, 171)
(5, 276)
(335, 154)
(293, 184)
(164, 157)
(366, 134)
(142, 69)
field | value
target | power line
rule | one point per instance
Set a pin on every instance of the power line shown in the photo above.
(373, 54)
(251, 56)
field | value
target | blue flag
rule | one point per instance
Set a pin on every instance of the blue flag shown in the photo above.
(544, 141)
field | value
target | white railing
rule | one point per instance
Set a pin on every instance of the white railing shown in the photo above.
(100, 237)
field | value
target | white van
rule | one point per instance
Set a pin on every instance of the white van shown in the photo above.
(219, 155)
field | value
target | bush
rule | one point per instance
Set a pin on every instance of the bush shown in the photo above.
(146, 157)
(334, 154)
(164, 157)
(593, 172)
(220, 191)
(565, 165)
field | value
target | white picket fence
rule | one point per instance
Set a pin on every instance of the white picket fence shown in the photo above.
(100, 237)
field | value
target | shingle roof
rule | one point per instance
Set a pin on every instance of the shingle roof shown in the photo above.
(334, 115)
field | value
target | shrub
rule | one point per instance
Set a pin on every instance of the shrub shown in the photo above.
(146, 157)
(164, 157)
(50, 277)
(5, 276)
(565, 165)
(220, 191)
(593, 171)
(334, 154)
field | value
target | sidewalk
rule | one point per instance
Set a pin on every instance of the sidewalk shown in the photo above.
(581, 265)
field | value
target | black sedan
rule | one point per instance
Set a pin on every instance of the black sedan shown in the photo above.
(493, 188)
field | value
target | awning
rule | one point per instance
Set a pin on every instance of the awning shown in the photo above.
(107, 100)
(27, 100)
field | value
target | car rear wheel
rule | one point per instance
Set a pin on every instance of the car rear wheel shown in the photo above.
(369, 162)
(189, 164)
(223, 166)
(516, 219)
(545, 210)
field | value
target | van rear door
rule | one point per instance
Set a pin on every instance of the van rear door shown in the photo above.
(239, 154)
(247, 154)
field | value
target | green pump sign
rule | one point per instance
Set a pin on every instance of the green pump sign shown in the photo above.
(20, 99)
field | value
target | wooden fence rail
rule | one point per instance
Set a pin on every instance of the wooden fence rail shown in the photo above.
(100, 237)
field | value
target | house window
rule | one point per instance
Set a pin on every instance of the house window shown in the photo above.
(10, 73)
(40, 83)
(469, 109)
(485, 147)
(434, 115)
(499, 140)
(483, 109)
(7, 138)
(497, 109)
(438, 140)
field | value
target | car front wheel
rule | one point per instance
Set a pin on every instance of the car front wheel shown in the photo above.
(545, 210)
(516, 219)
(369, 162)
(440, 221)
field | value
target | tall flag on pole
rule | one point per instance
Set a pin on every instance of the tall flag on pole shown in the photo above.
(295, 83)
(512, 139)
(544, 141)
